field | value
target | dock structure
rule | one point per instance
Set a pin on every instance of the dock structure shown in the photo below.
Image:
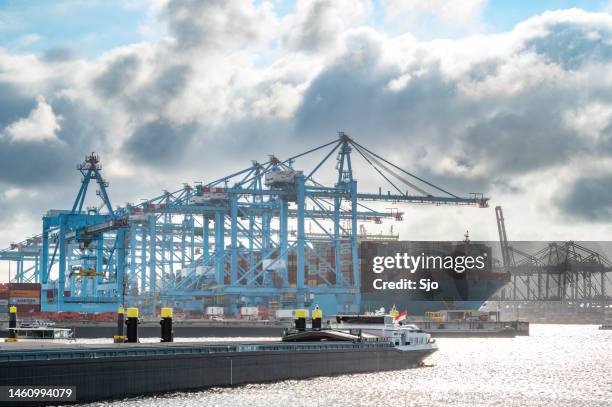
(272, 235)
(474, 329)
(568, 275)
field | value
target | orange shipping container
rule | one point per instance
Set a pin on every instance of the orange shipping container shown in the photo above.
(25, 293)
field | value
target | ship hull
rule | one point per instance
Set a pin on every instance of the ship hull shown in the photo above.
(120, 373)
(464, 295)
(452, 294)
(467, 289)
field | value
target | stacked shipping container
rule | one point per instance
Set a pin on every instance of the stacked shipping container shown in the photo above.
(25, 296)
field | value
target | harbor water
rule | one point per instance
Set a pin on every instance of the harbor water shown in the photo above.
(557, 365)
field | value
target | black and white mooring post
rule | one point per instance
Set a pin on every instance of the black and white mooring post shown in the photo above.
(300, 319)
(12, 335)
(167, 335)
(317, 317)
(132, 325)
(120, 337)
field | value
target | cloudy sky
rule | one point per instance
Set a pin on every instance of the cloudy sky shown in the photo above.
(509, 98)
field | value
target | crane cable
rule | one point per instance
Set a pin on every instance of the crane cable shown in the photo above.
(370, 157)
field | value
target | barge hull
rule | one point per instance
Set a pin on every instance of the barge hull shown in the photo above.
(99, 378)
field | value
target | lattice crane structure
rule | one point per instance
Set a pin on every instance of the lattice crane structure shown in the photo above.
(240, 240)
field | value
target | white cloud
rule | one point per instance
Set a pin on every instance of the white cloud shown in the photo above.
(503, 112)
(455, 13)
(41, 124)
(218, 25)
(589, 120)
(317, 25)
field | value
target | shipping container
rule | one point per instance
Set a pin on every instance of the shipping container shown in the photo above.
(284, 313)
(24, 300)
(24, 293)
(214, 310)
(288, 313)
(24, 286)
(249, 311)
(25, 309)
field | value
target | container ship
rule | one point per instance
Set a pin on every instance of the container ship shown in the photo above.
(465, 290)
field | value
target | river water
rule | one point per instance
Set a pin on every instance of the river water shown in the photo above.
(557, 365)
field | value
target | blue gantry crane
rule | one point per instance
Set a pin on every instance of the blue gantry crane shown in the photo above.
(269, 235)
(89, 249)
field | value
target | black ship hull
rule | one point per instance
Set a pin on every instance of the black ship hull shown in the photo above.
(466, 290)
(100, 373)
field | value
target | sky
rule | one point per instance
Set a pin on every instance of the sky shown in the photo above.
(90, 27)
(509, 98)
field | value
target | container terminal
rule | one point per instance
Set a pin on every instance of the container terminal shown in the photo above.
(271, 237)
(261, 242)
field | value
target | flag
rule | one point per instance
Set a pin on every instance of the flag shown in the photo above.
(401, 316)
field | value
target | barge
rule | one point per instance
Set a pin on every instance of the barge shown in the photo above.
(470, 329)
(98, 372)
(38, 333)
(38, 330)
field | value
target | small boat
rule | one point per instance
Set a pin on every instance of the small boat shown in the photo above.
(41, 330)
(606, 326)
(36, 324)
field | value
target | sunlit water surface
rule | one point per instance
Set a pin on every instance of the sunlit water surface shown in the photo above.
(558, 365)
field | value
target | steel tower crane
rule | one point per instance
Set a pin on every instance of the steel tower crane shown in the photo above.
(88, 251)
